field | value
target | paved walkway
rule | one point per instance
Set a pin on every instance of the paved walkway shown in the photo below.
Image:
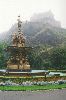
(36, 95)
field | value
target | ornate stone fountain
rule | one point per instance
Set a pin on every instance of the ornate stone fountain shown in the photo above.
(18, 51)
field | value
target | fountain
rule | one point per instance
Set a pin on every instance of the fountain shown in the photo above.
(18, 60)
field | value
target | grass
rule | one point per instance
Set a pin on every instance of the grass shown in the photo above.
(32, 88)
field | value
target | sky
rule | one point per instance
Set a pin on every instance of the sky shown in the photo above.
(10, 9)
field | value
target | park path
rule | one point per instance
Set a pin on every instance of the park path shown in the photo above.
(33, 95)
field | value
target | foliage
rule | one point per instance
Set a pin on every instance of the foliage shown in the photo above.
(32, 88)
(2, 55)
(58, 57)
(47, 57)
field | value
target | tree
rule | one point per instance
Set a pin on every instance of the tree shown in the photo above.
(58, 57)
(2, 56)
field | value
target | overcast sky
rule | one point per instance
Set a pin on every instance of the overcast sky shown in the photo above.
(10, 9)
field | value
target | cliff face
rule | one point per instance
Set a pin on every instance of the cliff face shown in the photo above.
(41, 29)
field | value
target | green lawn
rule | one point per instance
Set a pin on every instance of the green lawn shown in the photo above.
(34, 87)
